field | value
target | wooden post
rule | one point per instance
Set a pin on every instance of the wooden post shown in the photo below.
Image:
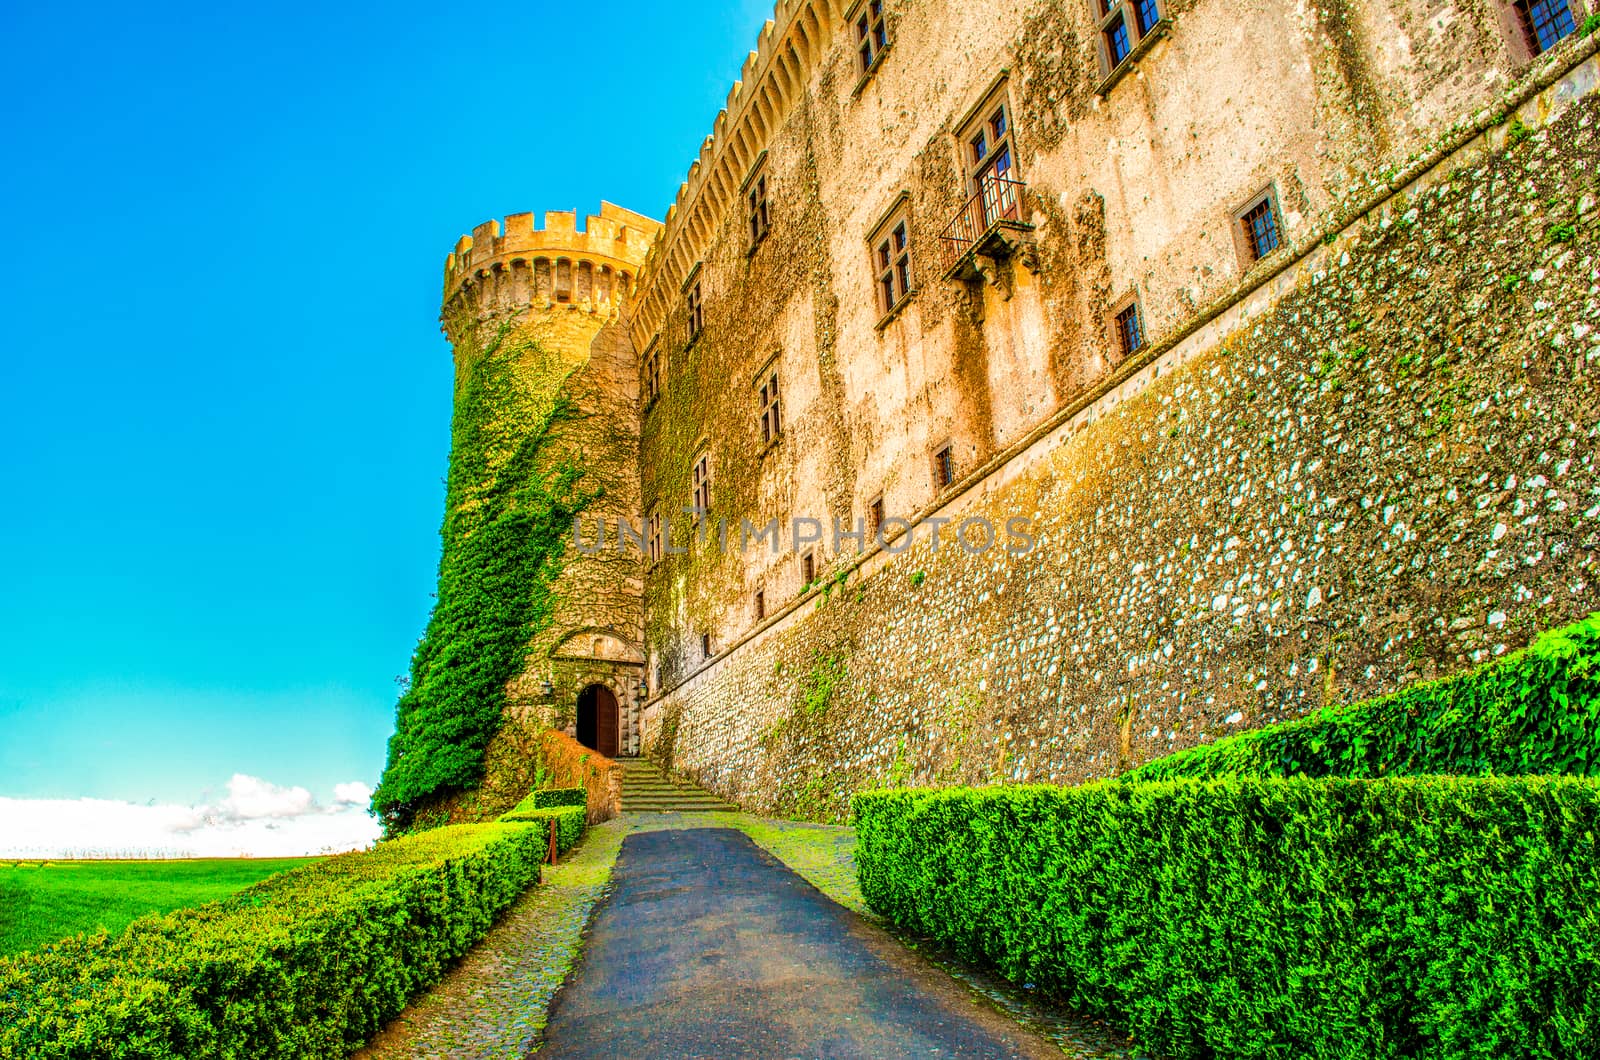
(555, 850)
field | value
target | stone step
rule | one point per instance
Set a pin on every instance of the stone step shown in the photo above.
(646, 790)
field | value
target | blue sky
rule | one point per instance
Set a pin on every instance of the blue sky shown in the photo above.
(224, 400)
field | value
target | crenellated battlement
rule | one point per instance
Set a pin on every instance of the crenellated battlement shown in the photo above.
(523, 263)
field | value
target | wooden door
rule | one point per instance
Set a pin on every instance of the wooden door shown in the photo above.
(606, 722)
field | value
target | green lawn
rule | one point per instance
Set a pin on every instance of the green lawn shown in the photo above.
(43, 902)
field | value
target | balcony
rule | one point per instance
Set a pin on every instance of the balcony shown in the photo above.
(987, 225)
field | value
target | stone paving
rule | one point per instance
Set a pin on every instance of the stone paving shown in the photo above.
(495, 1003)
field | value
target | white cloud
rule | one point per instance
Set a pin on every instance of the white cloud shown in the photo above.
(255, 819)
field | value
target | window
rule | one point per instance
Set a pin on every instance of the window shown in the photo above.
(989, 164)
(1545, 22)
(563, 280)
(654, 524)
(705, 645)
(1124, 24)
(808, 570)
(697, 310)
(1129, 328)
(771, 413)
(1259, 226)
(872, 35)
(756, 212)
(652, 373)
(944, 467)
(761, 604)
(875, 517)
(702, 486)
(891, 261)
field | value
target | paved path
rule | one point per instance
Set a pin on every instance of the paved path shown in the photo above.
(708, 946)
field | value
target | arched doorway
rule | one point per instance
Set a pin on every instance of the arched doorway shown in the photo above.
(597, 720)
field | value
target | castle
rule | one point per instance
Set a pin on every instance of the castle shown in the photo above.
(1242, 354)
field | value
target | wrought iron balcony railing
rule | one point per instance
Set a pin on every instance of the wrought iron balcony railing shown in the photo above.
(997, 204)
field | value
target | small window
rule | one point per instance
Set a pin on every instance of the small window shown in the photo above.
(891, 261)
(697, 311)
(1123, 24)
(705, 645)
(654, 524)
(1130, 329)
(761, 604)
(872, 35)
(944, 467)
(875, 517)
(757, 215)
(563, 280)
(652, 373)
(702, 486)
(771, 407)
(808, 570)
(1259, 226)
(1546, 22)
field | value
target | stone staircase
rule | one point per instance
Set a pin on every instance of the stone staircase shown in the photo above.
(646, 790)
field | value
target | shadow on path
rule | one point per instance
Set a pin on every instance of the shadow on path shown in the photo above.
(708, 946)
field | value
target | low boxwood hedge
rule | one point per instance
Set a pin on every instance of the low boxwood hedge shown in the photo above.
(1283, 918)
(1534, 711)
(570, 821)
(552, 797)
(309, 963)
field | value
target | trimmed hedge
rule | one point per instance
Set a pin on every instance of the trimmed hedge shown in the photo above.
(1534, 711)
(309, 963)
(553, 797)
(1245, 918)
(570, 821)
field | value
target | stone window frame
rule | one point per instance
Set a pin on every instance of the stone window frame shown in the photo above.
(808, 568)
(760, 601)
(755, 196)
(875, 517)
(695, 304)
(1244, 243)
(979, 120)
(1132, 15)
(653, 539)
(769, 400)
(901, 268)
(943, 465)
(877, 36)
(651, 373)
(1523, 28)
(1114, 324)
(700, 476)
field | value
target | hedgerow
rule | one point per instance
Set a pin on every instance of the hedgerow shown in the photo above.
(510, 502)
(305, 964)
(1534, 711)
(552, 797)
(1255, 918)
(570, 821)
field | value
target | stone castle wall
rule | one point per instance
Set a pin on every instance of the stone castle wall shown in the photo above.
(1377, 468)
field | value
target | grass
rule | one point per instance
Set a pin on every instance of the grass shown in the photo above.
(43, 902)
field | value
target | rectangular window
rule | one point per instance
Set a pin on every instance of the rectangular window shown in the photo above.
(652, 373)
(761, 604)
(702, 486)
(891, 261)
(756, 212)
(771, 408)
(872, 35)
(1130, 329)
(654, 523)
(1123, 25)
(875, 517)
(944, 467)
(705, 645)
(808, 570)
(1259, 223)
(1546, 22)
(697, 317)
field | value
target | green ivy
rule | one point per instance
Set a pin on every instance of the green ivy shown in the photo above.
(510, 502)
(1534, 711)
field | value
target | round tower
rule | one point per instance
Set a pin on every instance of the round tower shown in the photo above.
(545, 428)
